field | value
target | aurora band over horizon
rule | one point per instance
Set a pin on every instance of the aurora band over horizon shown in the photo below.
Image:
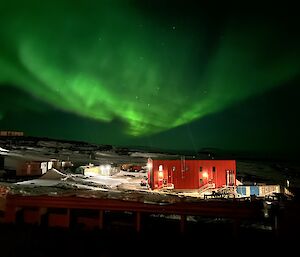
(109, 60)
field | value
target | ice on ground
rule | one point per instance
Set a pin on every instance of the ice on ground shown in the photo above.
(53, 174)
(131, 174)
(51, 178)
(106, 180)
(54, 179)
(39, 182)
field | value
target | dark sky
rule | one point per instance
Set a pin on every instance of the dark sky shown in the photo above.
(166, 74)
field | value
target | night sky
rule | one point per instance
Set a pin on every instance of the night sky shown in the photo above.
(164, 74)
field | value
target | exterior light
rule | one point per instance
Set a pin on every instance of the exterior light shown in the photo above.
(205, 174)
(149, 165)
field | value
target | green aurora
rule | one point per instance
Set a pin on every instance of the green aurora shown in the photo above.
(116, 60)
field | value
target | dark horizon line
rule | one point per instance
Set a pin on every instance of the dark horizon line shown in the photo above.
(212, 152)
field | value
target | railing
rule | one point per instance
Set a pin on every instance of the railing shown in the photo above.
(206, 187)
(34, 209)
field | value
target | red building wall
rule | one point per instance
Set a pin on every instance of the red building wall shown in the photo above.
(220, 174)
(191, 174)
(29, 169)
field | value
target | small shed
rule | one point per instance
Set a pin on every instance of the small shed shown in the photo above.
(33, 168)
(61, 165)
(96, 170)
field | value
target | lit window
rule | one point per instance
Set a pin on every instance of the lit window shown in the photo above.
(173, 168)
(160, 168)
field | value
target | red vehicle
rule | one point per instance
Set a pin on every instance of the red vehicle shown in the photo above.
(135, 168)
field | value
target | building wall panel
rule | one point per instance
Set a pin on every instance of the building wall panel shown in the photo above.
(191, 174)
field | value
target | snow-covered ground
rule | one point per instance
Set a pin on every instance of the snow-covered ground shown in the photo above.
(53, 177)
(122, 182)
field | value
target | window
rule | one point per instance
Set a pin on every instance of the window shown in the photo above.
(160, 168)
(214, 169)
(200, 169)
(173, 168)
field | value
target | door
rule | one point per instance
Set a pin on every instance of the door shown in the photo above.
(230, 178)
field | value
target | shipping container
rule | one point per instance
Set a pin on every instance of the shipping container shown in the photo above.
(241, 190)
(254, 190)
(257, 190)
(266, 190)
(61, 165)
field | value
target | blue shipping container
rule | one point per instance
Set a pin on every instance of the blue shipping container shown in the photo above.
(254, 190)
(241, 190)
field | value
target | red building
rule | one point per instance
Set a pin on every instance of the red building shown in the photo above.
(32, 168)
(191, 174)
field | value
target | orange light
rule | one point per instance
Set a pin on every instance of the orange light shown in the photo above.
(205, 175)
(160, 174)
